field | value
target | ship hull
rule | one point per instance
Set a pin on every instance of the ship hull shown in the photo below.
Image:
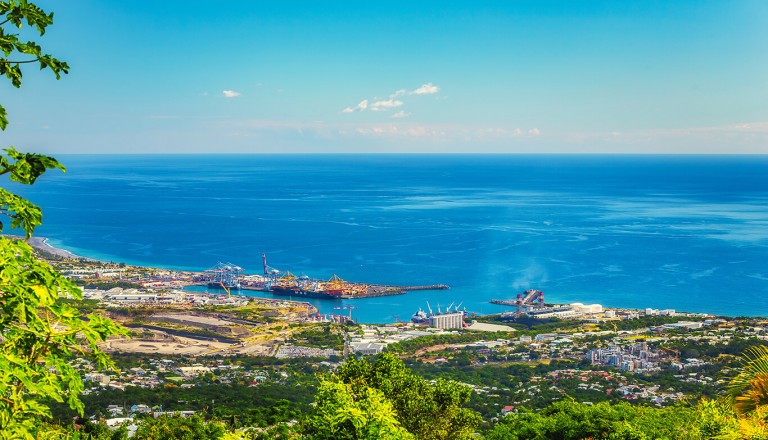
(301, 293)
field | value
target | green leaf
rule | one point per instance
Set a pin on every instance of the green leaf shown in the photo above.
(39, 335)
(3, 118)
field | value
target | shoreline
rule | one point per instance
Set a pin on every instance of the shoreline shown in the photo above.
(41, 243)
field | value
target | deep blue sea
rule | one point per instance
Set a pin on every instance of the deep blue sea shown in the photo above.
(682, 232)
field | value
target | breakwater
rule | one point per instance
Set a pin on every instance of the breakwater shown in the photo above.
(504, 302)
(369, 291)
(426, 287)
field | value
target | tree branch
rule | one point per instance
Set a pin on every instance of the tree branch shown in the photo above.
(19, 62)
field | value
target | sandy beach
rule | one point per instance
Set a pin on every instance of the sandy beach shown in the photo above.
(42, 244)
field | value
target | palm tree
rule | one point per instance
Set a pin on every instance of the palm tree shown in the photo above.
(749, 389)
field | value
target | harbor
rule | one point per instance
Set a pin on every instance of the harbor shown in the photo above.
(530, 303)
(229, 277)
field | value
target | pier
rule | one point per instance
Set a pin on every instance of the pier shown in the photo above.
(427, 287)
(284, 283)
(504, 302)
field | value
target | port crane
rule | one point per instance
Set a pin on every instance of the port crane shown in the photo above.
(226, 274)
(398, 320)
(270, 273)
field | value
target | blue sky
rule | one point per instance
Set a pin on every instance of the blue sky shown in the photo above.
(399, 76)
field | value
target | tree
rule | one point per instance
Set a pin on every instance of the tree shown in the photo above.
(428, 411)
(749, 389)
(179, 428)
(569, 420)
(341, 415)
(39, 334)
(17, 52)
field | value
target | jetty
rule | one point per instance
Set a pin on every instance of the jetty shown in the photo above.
(284, 283)
(504, 302)
(426, 287)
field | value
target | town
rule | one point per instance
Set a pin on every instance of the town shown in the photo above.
(190, 344)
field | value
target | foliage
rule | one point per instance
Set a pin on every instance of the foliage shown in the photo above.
(326, 337)
(412, 345)
(106, 285)
(17, 52)
(179, 428)
(39, 334)
(568, 420)
(749, 389)
(642, 322)
(342, 414)
(692, 348)
(718, 420)
(426, 410)
(238, 405)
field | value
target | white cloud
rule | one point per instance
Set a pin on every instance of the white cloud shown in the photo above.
(401, 114)
(393, 102)
(386, 105)
(518, 132)
(399, 93)
(362, 105)
(534, 132)
(230, 94)
(426, 89)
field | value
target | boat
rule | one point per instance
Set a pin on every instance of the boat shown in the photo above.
(420, 317)
(305, 287)
(298, 291)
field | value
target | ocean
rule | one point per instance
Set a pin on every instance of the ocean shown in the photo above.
(683, 232)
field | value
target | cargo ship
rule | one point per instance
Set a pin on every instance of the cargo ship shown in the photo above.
(304, 287)
(303, 293)
(287, 284)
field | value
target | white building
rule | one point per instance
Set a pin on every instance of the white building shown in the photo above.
(587, 309)
(447, 320)
(367, 348)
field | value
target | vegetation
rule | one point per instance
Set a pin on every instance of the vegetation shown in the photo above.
(343, 414)
(106, 285)
(568, 420)
(240, 405)
(412, 345)
(43, 327)
(324, 336)
(425, 410)
(39, 333)
(749, 389)
(179, 428)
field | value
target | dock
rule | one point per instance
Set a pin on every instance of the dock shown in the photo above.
(504, 302)
(284, 283)
(427, 287)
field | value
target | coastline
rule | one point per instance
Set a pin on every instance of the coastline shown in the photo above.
(41, 243)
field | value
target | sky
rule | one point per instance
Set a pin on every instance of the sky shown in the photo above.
(395, 76)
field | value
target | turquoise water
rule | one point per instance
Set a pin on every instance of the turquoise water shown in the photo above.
(682, 232)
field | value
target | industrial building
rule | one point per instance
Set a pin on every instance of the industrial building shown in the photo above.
(447, 320)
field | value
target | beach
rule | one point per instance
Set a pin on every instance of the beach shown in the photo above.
(42, 244)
